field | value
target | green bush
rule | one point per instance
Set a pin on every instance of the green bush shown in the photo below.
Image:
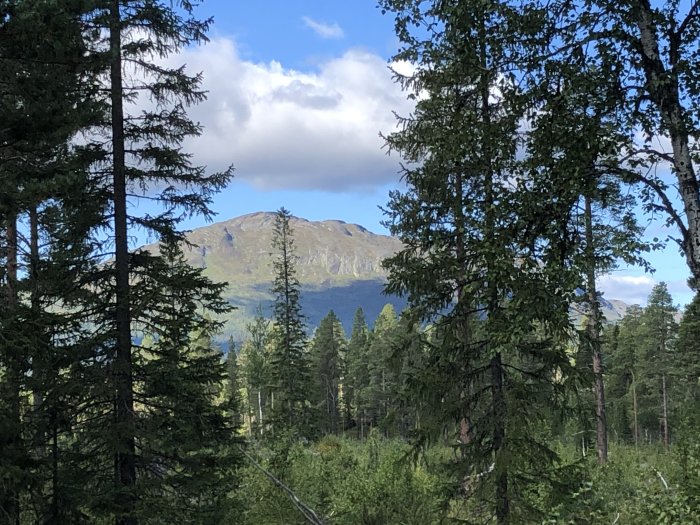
(349, 483)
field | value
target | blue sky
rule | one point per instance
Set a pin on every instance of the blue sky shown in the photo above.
(298, 94)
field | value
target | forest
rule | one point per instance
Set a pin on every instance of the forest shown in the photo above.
(545, 137)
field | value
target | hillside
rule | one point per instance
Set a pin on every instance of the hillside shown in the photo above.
(339, 267)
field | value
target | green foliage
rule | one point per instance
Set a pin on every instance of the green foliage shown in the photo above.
(327, 350)
(255, 364)
(688, 352)
(482, 260)
(349, 483)
(90, 408)
(645, 357)
(47, 208)
(357, 362)
(290, 368)
(382, 387)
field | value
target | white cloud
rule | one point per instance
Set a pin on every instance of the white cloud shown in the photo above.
(322, 29)
(283, 128)
(632, 289)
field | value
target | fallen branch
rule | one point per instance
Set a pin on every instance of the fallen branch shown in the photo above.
(307, 511)
(662, 479)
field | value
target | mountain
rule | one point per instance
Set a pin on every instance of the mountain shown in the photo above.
(339, 267)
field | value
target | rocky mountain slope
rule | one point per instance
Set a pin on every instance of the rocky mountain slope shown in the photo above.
(339, 267)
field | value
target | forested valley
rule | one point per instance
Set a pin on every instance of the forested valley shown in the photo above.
(544, 137)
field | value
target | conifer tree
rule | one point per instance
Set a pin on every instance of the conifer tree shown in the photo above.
(646, 369)
(593, 210)
(688, 351)
(188, 414)
(140, 159)
(624, 347)
(327, 349)
(659, 357)
(44, 101)
(234, 385)
(382, 387)
(475, 264)
(355, 392)
(290, 367)
(256, 371)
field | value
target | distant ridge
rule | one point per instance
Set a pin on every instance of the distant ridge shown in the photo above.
(339, 267)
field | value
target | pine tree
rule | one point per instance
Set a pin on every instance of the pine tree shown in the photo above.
(141, 158)
(256, 371)
(188, 414)
(646, 366)
(659, 357)
(474, 263)
(290, 368)
(44, 101)
(356, 385)
(327, 349)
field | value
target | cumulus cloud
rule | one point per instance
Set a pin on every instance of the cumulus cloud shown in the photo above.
(632, 289)
(323, 30)
(284, 128)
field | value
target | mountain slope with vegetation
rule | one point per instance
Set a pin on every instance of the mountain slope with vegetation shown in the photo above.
(339, 266)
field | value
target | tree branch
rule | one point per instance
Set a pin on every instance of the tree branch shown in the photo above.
(307, 511)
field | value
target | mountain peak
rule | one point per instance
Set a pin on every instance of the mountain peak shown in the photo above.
(339, 265)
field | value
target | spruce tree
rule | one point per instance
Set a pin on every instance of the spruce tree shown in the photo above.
(382, 387)
(256, 372)
(290, 367)
(688, 349)
(44, 101)
(475, 264)
(327, 348)
(188, 414)
(356, 384)
(624, 347)
(141, 158)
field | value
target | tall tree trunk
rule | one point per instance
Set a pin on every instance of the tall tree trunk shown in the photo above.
(634, 410)
(39, 365)
(125, 464)
(463, 326)
(593, 336)
(499, 438)
(664, 419)
(663, 87)
(37, 361)
(10, 504)
(498, 397)
(41, 376)
(55, 494)
(260, 411)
